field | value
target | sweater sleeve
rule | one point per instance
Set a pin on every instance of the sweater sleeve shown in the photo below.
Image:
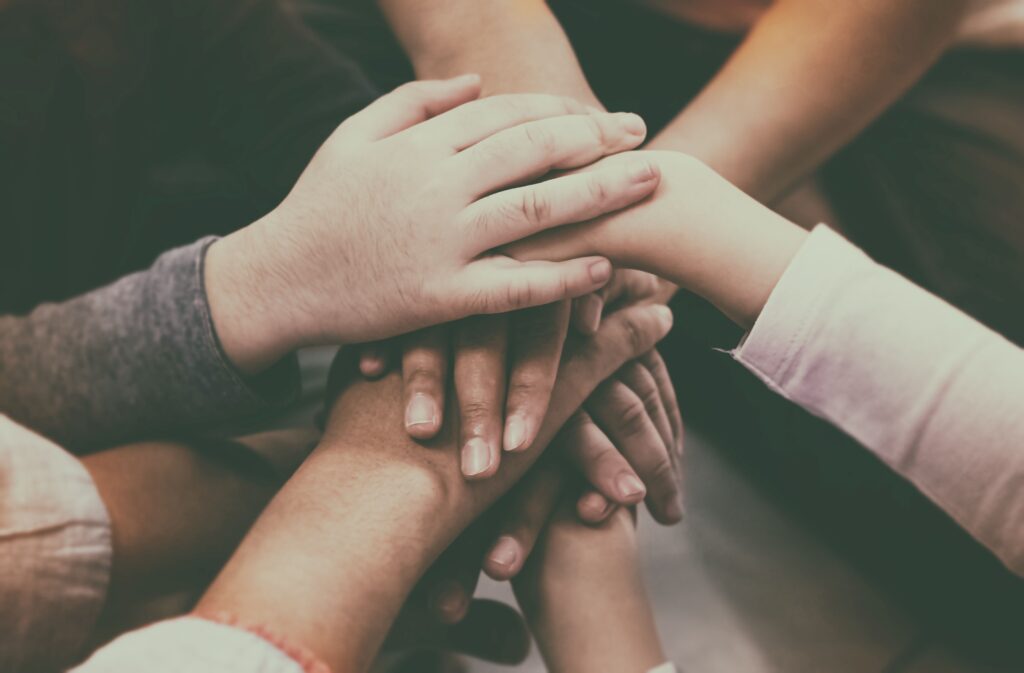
(137, 357)
(933, 393)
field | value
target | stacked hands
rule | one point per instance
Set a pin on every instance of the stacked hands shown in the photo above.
(514, 293)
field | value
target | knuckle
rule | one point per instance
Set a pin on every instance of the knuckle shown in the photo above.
(422, 376)
(530, 386)
(519, 294)
(633, 417)
(634, 334)
(662, 473)
(534, 206)
(651, 399)
(599, 130)
(597, 189)
(475, 411)
(540, 138)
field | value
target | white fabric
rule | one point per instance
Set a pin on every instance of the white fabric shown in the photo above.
(55, 552)
(667, 667)
(993, 23)
(936, 395)
(189, 644)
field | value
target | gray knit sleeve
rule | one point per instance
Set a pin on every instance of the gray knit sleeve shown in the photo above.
(137, 358)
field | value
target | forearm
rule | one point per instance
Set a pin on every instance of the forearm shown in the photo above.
(514, 45)
(336, 553)
(809, 77)
(178, 510)
(585, 600)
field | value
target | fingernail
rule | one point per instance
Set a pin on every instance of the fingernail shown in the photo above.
(450, 601)
(421, 411)
(664, 314)
(641, 171)
(588, 310)
(505, 552)
(674, 508)
(633, 123)
(476, 457)
(600, 271)
(629, 487)
(515, 434)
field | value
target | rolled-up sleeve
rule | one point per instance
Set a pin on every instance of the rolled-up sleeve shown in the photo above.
(55, 553)
(932, 392)
(136, 358)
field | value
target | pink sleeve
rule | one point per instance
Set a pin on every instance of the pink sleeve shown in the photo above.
(935, 394)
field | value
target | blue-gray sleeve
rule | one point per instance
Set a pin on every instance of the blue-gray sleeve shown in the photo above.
(137, 358)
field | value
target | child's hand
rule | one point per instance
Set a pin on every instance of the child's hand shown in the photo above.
(696, 230)
(390, 227)
(583, 596)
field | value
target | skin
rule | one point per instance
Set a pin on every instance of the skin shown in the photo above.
(178, 511)
(584, 598)
(724, 245)
(372, 496)
(756, 123)
(428, 152)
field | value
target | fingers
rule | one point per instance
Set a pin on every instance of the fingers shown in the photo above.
(464, 126)
(500, 284)
(624, 417)
(373, 360)
(593, 508)
(625, 285)
(424, 367)
(637, 378)
(480, 356)
(409, 105)
(601, 463)
(513, 214)
(526, 510)
(623, 336)
(655, 364)
(530, 150)
(537, 336)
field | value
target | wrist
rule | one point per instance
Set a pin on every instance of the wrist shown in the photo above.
(332, 559)
(248, 309)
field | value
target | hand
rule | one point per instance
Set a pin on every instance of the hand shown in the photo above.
(391, 226)
(388, 507)
(637, 408)
(696, 230)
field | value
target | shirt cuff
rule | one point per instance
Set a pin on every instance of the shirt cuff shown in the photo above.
(825, 264)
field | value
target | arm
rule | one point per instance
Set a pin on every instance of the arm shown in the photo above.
(444, 38)
(808, 77)
(138, 357)
(933, 393)
(85, 542)
(197, 337)
(584, 598)
(380, 508)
